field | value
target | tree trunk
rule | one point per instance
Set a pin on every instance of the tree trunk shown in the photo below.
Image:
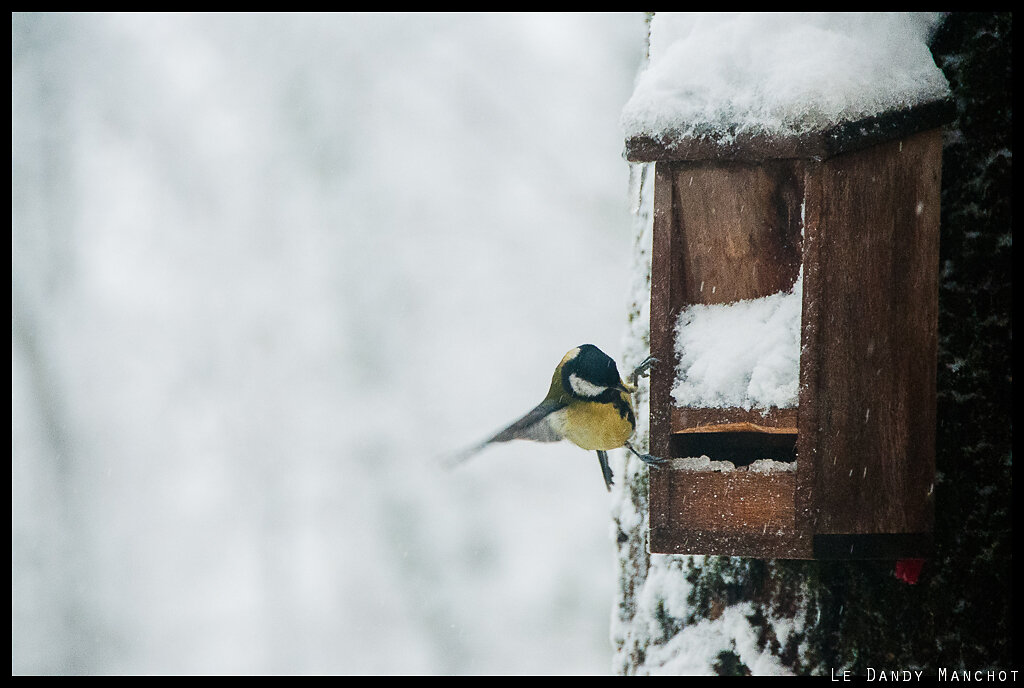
(736, 616)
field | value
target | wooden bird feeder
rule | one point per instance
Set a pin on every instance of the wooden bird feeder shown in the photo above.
(854, 213)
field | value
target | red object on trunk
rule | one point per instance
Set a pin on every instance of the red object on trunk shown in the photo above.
(908, 570)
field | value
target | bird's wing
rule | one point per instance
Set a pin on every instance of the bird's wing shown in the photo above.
(536, 425)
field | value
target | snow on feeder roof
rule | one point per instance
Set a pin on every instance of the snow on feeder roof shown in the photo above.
(755, 86)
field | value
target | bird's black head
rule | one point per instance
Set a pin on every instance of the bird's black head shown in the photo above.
(590, 373)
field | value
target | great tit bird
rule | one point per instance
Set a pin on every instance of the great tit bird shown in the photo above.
(588, 404)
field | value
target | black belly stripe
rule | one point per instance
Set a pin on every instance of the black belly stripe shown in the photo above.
(625, 411)
(615, 398)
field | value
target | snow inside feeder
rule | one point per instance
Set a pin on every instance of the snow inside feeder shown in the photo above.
(744, 354)
(703, 463)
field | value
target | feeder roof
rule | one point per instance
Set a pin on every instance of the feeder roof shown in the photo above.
(758, 86)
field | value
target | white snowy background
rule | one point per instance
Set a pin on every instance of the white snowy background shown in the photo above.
(265, 269)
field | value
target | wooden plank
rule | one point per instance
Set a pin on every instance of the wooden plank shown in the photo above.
(844, 137)
(738, 229)
(665, 285)
(732, 501)
(664, 312)
(743, 426)
(734, 419)
(769, 546)
(811, 316)
(871, 307)
(780, 545)
(734, 513)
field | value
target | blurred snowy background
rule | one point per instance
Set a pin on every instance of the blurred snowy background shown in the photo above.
(266, 268)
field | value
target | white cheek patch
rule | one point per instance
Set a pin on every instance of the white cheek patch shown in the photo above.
(583, 388)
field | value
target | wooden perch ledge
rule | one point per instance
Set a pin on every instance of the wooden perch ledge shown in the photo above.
(775, 420)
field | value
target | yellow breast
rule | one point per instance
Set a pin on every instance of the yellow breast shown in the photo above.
(593, 426)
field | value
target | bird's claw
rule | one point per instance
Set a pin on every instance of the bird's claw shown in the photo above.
(642, 370)
(652, 461)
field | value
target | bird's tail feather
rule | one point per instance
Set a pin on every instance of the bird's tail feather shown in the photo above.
(452, 460)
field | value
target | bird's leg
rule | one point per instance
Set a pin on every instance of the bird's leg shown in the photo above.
(641, 370)
(606, 470)
(652, 461)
